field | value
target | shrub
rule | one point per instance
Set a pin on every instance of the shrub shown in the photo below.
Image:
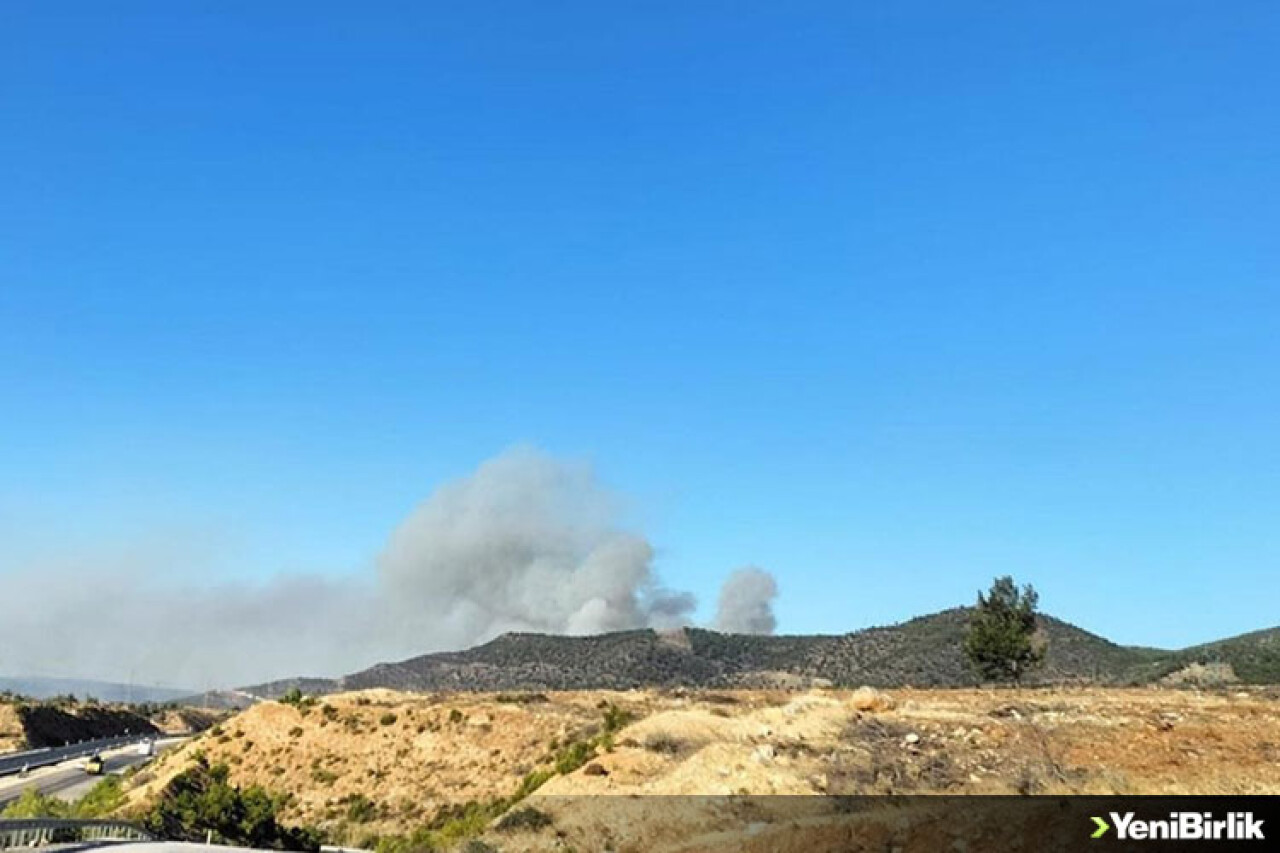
(33, 804)
(361, 809)
(529, 819)
(522, 698)
(615, 718)
(387, 719)
(324, 777)
(422, 840)
(574, 756)
(475, 845)
(664, 744)
(103, 798)
(531, 783)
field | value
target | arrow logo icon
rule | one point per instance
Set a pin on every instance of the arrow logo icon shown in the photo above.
(1102, 828)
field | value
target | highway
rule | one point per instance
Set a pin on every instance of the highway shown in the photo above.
(68, 781)
(12, 762)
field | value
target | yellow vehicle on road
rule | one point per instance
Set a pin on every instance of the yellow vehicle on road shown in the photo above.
(95, 766)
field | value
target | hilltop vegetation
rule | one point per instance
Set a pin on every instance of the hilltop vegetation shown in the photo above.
(924, 652)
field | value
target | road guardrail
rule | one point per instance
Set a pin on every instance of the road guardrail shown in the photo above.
(37, 832)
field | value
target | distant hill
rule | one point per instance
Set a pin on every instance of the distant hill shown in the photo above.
(924, 652)
(1255, 657)
(38, 687)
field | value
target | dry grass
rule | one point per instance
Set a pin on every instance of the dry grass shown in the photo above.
(408, 757)
(11, 735)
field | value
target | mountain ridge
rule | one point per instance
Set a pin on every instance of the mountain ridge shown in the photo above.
(925, 651)
(44, 687)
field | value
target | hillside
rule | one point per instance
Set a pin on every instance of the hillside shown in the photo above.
(382, 761)
(1254, 657)
(28, 725)
(412, 769)
(922, 652)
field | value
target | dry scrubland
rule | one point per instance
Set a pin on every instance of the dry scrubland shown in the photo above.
(378, 763)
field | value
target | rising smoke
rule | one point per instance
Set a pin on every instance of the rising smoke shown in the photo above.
(525, 543)
(746, 603)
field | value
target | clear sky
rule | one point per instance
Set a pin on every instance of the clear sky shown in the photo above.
(889, 298)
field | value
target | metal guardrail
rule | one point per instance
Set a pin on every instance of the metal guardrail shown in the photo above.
(37, 832)
(17, 761)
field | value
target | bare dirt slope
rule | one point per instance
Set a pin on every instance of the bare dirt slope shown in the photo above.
(928, 742)
(413, 757)
(942, 741)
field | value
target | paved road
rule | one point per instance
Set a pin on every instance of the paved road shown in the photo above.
(12, 762)
(68, 781)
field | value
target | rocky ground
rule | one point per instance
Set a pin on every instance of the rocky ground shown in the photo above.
(376, 763)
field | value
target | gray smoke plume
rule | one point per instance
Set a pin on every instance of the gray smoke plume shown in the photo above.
(746, 603)
(525, 543)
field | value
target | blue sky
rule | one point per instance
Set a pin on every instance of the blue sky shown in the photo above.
(887, 298)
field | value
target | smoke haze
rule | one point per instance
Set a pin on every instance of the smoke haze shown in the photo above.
(525, 543)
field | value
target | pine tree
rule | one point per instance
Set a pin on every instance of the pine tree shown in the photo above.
(1001, 643)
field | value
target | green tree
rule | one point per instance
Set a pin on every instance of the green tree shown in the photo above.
(200, 802)
(1002, 644)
